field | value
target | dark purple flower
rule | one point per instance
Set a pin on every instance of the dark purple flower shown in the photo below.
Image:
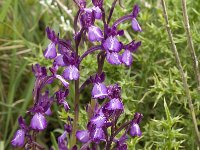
(83, 136)
(18, 139)
(113, 58)
(61, 96)
(38, 122)
(94, 34)
(87, 17)
(114, 91)
(62, 141)
(71, 73)
(39, 71)
(98, 3)
(111, 44)
(97, 135)
(99, 91)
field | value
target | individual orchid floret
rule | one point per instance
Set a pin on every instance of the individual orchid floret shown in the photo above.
(112, 44)
(60, 96)
(50, 51)
(18, 139)
(135, 24)
(97, 12)
(114, 91)
(62, 141)
(83, 136)
(97, 135)
(71, 72)
(135, 129)
(127, 57)
(19, 136)
(99, 89)
(98, 120)
(114, 104)
(113, 58)
(94, 34)
(38, 122)
(97, 3)
(121, 143)
(39, 71)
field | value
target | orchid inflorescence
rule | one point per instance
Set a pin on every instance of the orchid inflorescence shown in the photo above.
(103, 129)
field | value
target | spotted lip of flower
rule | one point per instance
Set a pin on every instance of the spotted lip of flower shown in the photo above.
(83, 136)
(38, 122)
(114, 58)
(97, 12)
(87, 17)
(50, 51)
(98, 120)
(114, 91)
(114, 104)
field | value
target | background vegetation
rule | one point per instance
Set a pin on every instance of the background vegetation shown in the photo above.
(152, 85)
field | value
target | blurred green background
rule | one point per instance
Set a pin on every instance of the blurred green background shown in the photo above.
(152, 79)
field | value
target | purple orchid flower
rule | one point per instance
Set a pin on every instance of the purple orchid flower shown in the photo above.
(60, 96)
(50, 52)
(62, 141)
(135, 129)
(127, 57)
(99, 89)
(83, 136)
(19, 137)
(135, 24)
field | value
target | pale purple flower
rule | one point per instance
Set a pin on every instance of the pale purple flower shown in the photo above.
(18, 139)
(83, 136)
(38, 122)
(113, 58)
(135, 130)
(112, 44)
(97, 12)
(59, 61)
(135, 24)
(94, 34)
(127, 58)
(98, 120)
(71, 73)
(99, 91)
(97, 135)
(114, 104)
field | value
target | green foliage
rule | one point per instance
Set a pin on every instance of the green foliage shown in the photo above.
(152, 78)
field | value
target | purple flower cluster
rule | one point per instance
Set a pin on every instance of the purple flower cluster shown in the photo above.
(103, 125)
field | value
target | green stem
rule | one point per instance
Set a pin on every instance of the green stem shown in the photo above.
(183, 76)
(190, 43)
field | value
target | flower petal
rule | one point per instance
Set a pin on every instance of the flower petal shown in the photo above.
(97, 135)
(127, 58)
(112, 44)
(71, 73)
(135, 130)
(97, 12)
(135, 25)
(18, 139)
(113, 58)
(62, 141)
(64, 82)
(59, 61)
(94, 34)
(50, 51)
(98, 120)
(38, 122)
(99, 91)
(83, 136)
(114, 104)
